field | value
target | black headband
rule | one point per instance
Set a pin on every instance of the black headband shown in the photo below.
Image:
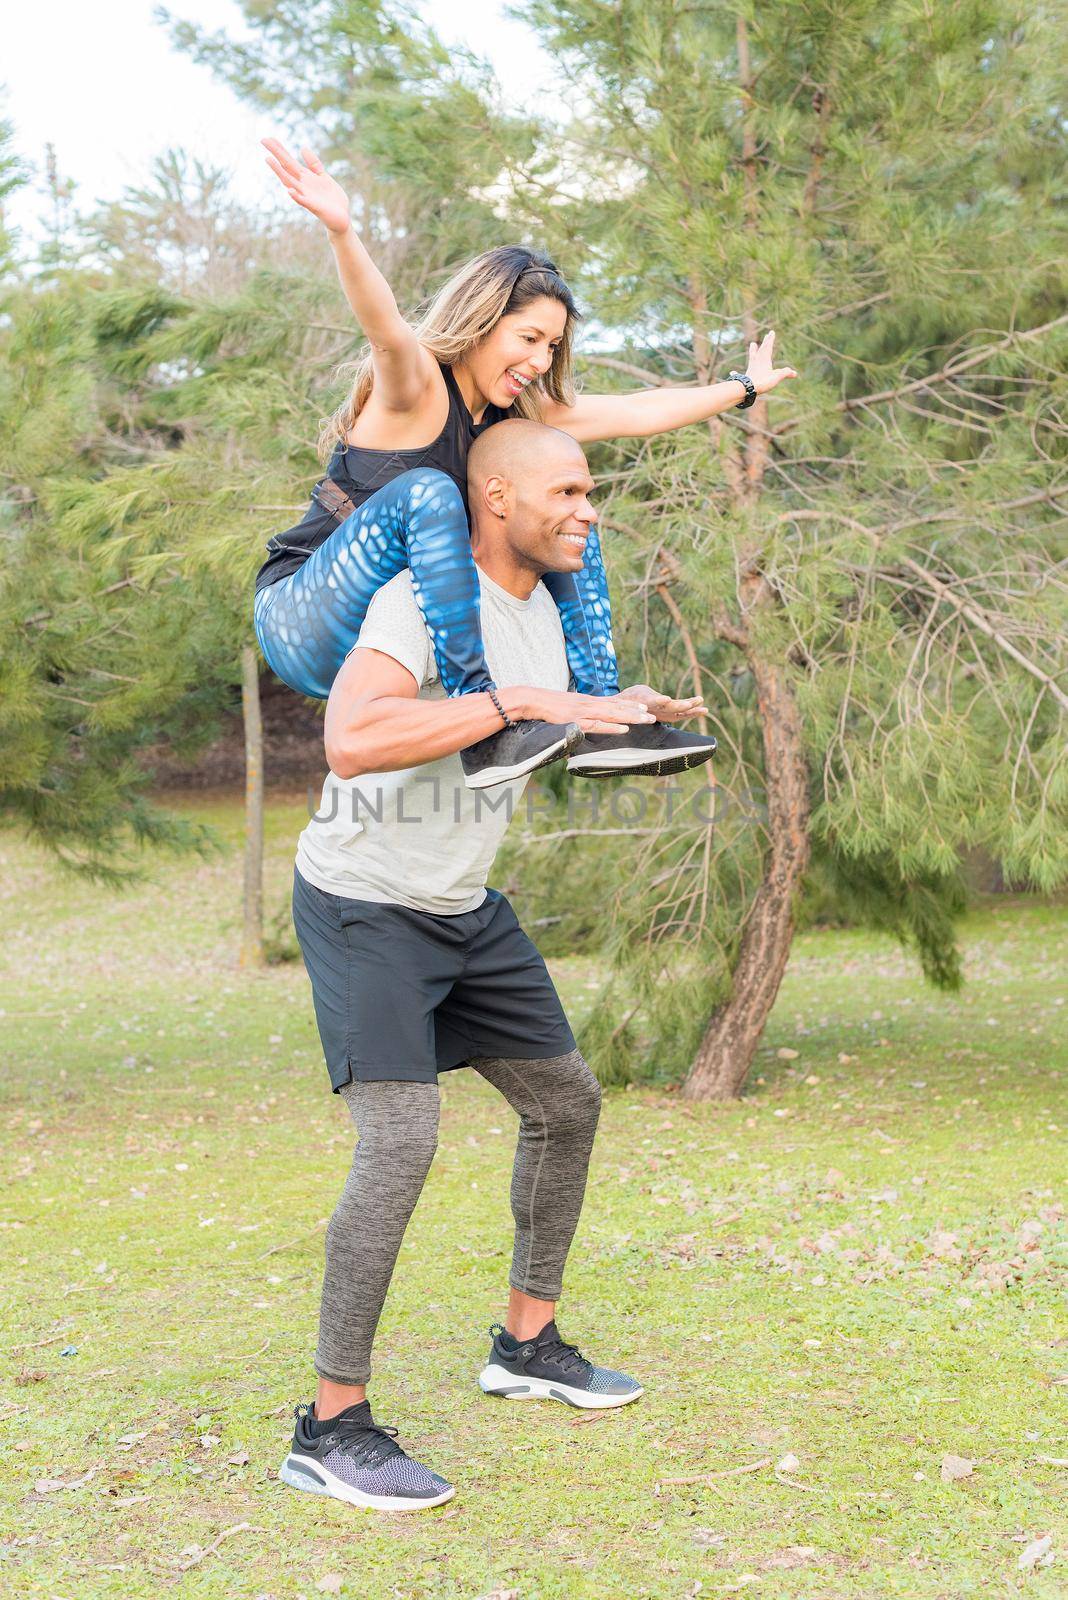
(536, 264)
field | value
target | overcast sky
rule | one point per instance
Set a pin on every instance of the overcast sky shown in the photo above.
(105, 87)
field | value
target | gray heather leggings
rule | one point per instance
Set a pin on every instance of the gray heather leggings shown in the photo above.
(558, 1101)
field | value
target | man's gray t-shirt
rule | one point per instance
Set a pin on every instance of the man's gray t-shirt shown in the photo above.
(420, 837)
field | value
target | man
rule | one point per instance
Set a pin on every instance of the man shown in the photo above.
(416, 967)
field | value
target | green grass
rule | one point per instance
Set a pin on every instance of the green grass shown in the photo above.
(857, 1265)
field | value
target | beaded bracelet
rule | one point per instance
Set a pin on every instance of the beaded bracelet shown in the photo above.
(507, 719)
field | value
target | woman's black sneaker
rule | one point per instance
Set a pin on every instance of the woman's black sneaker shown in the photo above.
(646, 750)
(514, 751)
(355, 1460)
(545, 1368)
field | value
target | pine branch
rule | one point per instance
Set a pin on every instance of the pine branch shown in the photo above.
(670, 567)
(983, 623)
(45, 616)
(946, 374)
(655, 379)
(886, 530)
(964, 607)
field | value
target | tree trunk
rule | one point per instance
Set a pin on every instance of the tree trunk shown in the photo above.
(726, 1052)
(730, 1041)
(252, 940)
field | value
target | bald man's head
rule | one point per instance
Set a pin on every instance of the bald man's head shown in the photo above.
(517, 450)
(528, 489)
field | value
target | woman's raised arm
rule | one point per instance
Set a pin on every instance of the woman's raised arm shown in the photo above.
(402, 368)
(643, 412)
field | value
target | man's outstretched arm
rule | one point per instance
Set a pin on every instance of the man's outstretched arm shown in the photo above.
(376, 723)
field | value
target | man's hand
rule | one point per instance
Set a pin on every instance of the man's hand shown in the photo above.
(594, 713)
(663, 707)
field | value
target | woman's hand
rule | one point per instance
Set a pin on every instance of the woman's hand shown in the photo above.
(403, 371)
(760, 369)
(663, 708)
(310, 186)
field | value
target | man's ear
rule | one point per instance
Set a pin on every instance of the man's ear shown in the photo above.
(496, 495)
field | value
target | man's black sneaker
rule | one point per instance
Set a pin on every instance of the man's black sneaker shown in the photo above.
(357, 1461)
(545, 1368)
(513, 752)
(646, 750)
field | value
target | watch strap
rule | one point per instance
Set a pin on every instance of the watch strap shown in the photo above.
(750, 389)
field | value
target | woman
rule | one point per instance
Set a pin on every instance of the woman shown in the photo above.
(495, 342)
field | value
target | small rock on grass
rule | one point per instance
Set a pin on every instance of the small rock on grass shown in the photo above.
(955, 1468)
(1039, 1553)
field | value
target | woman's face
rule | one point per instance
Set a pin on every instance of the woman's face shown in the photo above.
(518, 350)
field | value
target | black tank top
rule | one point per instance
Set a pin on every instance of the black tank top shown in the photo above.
(362, 472)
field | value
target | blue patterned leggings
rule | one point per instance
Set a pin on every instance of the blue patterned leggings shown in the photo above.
(306, 623)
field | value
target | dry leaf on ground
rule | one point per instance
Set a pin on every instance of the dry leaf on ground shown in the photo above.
(795, 1555)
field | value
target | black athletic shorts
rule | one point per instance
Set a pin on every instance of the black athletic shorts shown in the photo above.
(408, 994)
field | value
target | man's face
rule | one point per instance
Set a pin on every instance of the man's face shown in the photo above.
(550, 512)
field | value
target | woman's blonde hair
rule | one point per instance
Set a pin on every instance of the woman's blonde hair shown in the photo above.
(461, 314)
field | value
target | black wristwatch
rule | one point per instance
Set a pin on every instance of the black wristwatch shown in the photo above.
(750, 389)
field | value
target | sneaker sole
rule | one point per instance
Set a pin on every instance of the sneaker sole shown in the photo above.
(492, 775)
(499, 1381)
(313, 1478)
(610, 764)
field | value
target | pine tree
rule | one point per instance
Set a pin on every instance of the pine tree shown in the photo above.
(864, 576)
(12, 177)
(110, 643)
